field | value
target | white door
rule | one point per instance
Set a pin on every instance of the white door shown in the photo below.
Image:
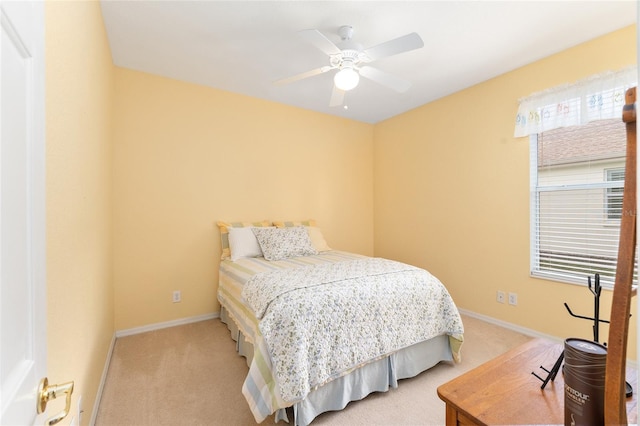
(22, 211)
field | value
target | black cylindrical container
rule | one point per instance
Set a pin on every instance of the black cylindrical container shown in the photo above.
(584, 378)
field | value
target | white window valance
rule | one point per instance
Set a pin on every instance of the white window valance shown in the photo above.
(595, 98)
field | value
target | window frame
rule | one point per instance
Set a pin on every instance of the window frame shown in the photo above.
(609, 194)
(535, 269)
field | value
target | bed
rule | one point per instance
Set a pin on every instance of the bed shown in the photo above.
(320, 327)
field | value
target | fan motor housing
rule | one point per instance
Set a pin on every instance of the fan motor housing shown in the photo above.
(350, 56)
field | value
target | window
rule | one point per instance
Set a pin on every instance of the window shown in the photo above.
(578, 148)
(613, 201)
(577, 180)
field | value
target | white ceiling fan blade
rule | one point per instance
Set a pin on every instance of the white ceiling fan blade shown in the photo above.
(319, 40)
(381, 77)
(337, 97)
(300, 76)
(392, 47)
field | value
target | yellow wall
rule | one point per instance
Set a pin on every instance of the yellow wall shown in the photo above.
(140, 167)
(451, 187)
(79, 95)
(187, 156)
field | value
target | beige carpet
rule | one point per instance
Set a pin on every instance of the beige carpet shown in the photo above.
(191, 375)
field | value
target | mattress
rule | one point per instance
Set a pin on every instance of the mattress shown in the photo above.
(263, 390)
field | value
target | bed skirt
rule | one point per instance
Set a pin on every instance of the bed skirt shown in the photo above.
(377, 376)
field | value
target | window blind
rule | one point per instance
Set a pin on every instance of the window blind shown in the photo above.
(577, 178)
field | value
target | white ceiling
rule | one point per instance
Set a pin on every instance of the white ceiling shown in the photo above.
(244, 46)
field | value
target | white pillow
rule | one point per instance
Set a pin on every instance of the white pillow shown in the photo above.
(317, 239)
(243, 243)
(283, 243)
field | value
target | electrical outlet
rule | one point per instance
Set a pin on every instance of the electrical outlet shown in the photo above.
(500, 296)
(177, 296)
(513, 299)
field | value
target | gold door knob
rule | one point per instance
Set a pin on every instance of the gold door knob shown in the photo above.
(46, 393)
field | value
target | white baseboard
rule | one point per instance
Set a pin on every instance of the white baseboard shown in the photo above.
(103, 379)
(511, 326)
(526, 331)
(167, 324)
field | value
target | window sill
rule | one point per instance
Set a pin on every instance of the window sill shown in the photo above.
(548, 276)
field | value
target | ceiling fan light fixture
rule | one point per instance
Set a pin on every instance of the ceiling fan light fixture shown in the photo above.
(346, 79)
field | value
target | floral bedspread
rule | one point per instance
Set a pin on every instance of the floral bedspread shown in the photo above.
(320, 322)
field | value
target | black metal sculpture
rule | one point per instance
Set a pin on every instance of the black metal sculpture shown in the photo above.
(596, 290)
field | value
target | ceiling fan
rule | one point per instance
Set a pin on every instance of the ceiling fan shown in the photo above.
(350, 59)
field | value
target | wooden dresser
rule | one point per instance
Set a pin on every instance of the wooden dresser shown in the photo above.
(503, 390)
